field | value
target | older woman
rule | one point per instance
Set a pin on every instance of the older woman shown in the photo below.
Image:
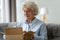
(31, 23)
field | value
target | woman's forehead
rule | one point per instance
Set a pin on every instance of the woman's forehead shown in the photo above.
(27, 8)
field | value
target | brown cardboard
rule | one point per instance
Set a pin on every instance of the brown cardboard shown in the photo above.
(13, 31)
(17, 34)
(14, 37)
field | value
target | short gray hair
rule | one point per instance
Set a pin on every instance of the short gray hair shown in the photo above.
(32, 5)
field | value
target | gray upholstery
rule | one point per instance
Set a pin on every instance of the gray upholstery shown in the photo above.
(58, 32)
(2, 25)
(53, 31)
(56, 38)
(11, 24)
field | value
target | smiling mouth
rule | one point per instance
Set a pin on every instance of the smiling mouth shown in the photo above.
(27, 16)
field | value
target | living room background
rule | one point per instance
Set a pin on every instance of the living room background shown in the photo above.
(53, 10)
(52, 16)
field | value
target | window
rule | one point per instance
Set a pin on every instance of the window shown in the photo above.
(4, 15)
(1, 16)
(19, 14)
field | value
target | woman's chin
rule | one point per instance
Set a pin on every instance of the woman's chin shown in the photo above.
(27, 17)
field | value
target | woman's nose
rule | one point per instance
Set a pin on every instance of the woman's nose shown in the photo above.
(26, 13)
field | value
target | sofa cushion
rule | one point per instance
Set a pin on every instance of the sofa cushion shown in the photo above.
(11, 24)
(2, 25)
(56, 38)
(58, 32)
(52, 30)
(49, 31)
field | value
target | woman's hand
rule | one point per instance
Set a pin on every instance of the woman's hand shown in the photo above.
(28, 34)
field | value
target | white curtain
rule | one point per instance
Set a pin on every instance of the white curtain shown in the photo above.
(8, 13)
(4, 11)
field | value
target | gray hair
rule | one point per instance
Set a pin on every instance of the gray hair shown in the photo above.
(32, 5)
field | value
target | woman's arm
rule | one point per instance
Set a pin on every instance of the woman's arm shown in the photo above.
(42, 34)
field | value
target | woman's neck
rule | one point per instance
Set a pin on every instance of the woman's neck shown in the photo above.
(30, 20)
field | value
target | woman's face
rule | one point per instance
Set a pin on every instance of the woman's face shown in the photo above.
(28, 13)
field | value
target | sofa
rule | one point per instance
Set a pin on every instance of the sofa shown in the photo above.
(53, 30)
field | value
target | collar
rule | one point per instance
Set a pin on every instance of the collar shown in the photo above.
(33, 21)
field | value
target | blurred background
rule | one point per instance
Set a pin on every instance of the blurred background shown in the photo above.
(10, 11)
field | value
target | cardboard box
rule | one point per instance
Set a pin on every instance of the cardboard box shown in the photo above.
(17, 34)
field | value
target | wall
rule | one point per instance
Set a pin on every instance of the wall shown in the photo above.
(53, 10)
